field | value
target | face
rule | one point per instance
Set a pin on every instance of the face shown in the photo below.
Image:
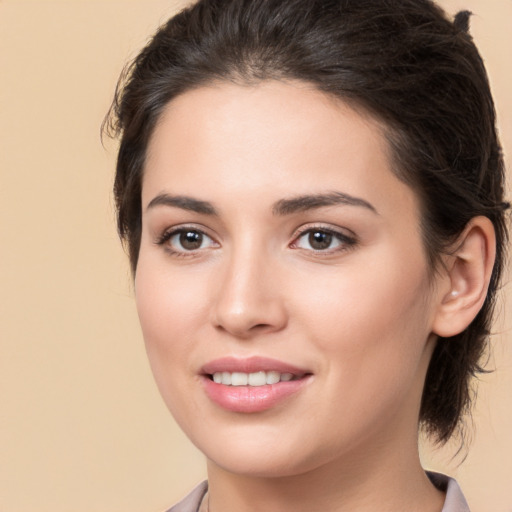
(282, 286)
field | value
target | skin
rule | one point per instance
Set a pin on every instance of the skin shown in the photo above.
(360, 316)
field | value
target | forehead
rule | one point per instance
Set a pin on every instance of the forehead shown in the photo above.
(274, 138)
(282, 111)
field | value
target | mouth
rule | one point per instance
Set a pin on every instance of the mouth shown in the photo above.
(254, 379)
(252, 384)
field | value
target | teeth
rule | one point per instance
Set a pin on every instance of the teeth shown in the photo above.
(251, 379)
(273, 377)
(239, 379)
(257, 379)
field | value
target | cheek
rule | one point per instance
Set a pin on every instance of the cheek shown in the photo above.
(372, 334)
(371, 320)
(169, 306)
(168, 312)
(168, 303)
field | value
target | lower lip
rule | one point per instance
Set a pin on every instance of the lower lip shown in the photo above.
(249, 399)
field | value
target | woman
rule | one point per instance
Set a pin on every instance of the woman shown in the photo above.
(311, 193)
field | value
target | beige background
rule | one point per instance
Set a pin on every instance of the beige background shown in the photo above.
(82, 427)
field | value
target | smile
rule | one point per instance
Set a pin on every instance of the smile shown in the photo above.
(255, 379)
(252, 385)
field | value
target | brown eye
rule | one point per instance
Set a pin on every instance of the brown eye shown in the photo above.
(186, 240)
(324, 240)
(191, 240)
(319, 240)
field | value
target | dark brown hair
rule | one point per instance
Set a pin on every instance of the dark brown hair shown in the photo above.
(402, 61)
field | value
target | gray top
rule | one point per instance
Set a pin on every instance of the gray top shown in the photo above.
(454, 502)
(192, 501)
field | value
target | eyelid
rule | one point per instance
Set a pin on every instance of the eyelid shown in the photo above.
(347, 238)
(168, 233)
(177, 228)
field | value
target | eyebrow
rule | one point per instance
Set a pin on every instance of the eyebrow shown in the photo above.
(313, 201)
(183, 202)
(281, 207)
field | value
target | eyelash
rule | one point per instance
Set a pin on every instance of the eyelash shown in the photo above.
(346, 242)
(170, 233)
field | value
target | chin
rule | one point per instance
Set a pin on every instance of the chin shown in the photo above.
(261, 467)
(262, 456)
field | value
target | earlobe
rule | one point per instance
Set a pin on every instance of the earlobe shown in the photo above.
(468, 273)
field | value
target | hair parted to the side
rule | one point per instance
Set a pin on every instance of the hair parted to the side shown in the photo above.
(401, 61)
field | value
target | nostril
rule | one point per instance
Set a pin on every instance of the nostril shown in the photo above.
(260, 326)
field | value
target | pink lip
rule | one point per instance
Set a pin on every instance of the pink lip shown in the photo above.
(251, 399)
(250, 365)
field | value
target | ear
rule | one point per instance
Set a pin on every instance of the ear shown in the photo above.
(465, 283)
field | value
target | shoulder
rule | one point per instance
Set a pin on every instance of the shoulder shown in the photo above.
(455, 501)
(192, 501)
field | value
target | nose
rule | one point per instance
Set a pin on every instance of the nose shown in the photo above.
(249, 297)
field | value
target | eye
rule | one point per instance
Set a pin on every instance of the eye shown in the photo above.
(183, 240)
(322, 239)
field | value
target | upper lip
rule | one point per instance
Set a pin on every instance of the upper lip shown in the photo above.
(250, 365)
